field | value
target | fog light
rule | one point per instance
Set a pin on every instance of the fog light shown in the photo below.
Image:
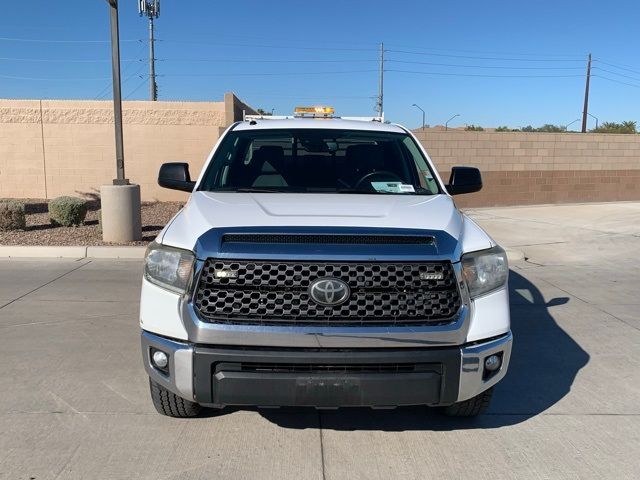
(160, 359)
(492, 363)
(431, 276)
(225, 274)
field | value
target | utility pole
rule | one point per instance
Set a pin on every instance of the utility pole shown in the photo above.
(585, 110)
(151, 8)
(380, 104)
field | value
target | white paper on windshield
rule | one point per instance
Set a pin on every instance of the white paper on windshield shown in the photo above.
(393, 187)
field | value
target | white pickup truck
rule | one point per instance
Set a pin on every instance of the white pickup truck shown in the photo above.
(322, 262)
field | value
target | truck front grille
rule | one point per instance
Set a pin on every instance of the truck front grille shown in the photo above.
(277, 293)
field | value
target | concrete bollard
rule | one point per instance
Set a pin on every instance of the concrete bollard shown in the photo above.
(121, 220)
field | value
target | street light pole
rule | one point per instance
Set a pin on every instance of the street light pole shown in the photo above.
(571, 123)
(594, 117)
(446, 124)
(117, 94)
(423, 114)
(119, 201)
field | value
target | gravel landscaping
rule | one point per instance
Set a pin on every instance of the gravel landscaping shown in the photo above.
(40, 231)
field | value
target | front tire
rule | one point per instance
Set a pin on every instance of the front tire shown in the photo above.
(169, 404)
(470, 408)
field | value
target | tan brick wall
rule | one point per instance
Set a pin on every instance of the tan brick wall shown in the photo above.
(533, 168)
(55, 147)
(70, 144)
(21, 157)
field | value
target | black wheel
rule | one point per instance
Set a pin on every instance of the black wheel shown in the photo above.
(169, 404)
(470, 408)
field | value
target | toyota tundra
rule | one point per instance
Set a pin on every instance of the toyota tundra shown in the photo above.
(322, 262)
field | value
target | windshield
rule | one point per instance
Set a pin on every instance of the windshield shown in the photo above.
(319, 161)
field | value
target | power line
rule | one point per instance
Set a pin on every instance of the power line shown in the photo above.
(105, 91)
(618, 66)
(616, 81)
(62, 60)
(484, 52)
(257, 74)
(126, 69)
(244, 36)
(50, 40)
(505, 67)
(258, 45)
(307, 96)
(482, 75)
(144, 82)
(260, 61)
(340, 72)
(485, 58)
(616, 73)
(49, 79)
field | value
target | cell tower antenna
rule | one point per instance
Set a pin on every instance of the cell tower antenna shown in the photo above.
(151, 9)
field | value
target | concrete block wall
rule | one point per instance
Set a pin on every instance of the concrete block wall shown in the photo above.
(58, 147)
(533, 168)
(21, 151)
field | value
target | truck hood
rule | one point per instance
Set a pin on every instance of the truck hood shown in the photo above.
(220, 210)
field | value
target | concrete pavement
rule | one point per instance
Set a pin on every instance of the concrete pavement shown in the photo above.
(75, 402)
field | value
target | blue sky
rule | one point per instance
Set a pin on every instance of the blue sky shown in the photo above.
(272, 54)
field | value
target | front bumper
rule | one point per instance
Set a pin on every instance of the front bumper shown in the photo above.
(250, 376)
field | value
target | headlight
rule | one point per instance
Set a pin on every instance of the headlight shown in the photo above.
(168, 267)
(485, 270)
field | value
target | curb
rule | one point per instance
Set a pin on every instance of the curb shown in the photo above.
(72, 252)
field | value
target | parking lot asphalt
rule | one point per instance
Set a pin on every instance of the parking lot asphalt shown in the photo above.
(75, 401)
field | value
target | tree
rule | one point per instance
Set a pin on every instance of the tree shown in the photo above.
(548, 127)
(474, 128)
(262, 112)
(628, 126)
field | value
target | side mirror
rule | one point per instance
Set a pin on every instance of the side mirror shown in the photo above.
(464, 180)
(175, 176)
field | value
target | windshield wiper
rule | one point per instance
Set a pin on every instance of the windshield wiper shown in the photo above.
(358, 190)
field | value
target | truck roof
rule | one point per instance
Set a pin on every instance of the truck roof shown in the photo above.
(317, 123)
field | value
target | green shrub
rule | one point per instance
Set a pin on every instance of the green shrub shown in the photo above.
(67, 211)
(12, 215)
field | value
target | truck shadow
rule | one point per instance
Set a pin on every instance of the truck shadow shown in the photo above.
(544, 363)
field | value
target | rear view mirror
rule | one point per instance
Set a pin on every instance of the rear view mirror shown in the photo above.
(464, 180)
(176, 176)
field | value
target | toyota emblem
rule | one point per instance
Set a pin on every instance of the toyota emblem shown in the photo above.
(329, 291)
